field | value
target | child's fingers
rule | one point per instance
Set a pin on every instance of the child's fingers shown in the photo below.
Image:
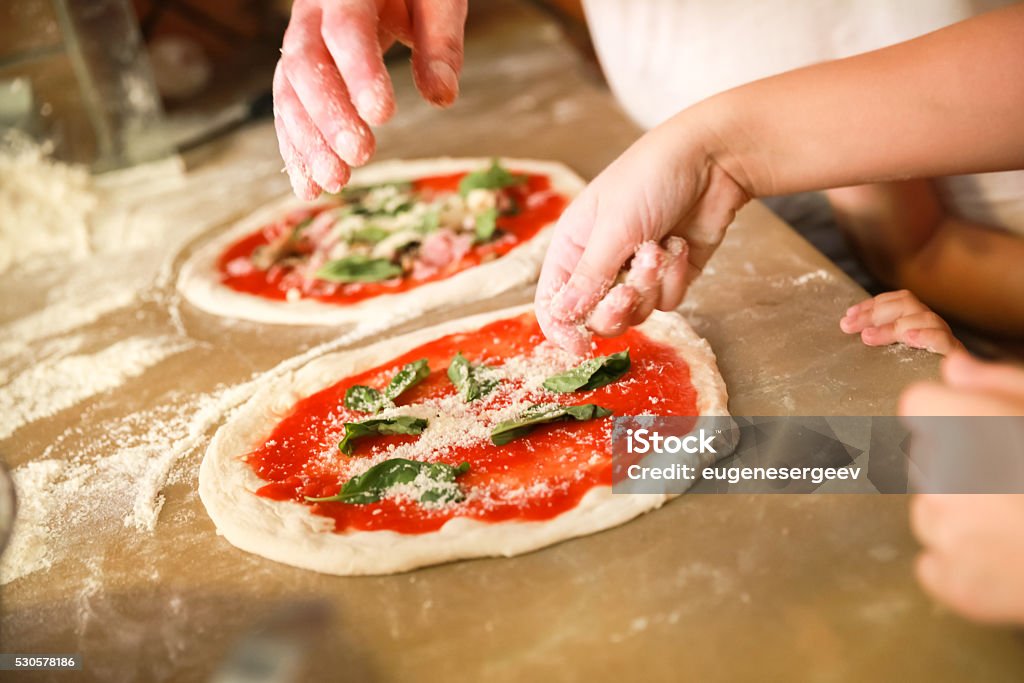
(611, 317)
(963, 371)
(934, 399)
(644, 276)
(925, 330)
(882, 310)
(935, 340)
(883, 335)
(674, 275)
(857, 317)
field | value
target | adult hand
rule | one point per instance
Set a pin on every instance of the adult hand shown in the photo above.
(331, 85)
(664, 204)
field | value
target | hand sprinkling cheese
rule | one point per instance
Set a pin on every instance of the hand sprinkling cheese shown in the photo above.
(569, 309)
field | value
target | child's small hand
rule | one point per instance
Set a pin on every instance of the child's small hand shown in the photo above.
(973, 555)
(898, 317)
(663, 206)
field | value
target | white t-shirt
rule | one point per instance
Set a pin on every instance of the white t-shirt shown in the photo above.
(661, 56)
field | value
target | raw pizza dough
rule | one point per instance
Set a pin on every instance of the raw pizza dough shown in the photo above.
(288, 532)
(199, 279)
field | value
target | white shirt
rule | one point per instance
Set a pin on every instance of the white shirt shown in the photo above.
(661, 56)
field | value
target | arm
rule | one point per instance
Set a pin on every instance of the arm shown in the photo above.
(948, 102)
(962, 269)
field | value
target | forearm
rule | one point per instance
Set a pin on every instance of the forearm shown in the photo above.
(903, 234)
(948, 102)
(970, 273)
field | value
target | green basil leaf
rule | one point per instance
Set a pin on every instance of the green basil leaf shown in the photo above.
(545, 413)
(369, 400)
(369, 234)
(365, 399)
(466, 378)
(410, 375)
(592, 374)
(358, 268)
(486, 224)
(494, 178)
(431, 222)
(444, 474)
(403, 424)
(370, 486)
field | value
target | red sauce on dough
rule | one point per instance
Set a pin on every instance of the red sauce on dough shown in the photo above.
(539, 206)
(562, 461)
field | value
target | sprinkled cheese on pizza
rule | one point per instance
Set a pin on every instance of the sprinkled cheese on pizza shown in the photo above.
(559, 448)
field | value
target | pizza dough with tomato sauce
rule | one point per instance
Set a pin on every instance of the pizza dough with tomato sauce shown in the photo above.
(403, 238)
(444, 487)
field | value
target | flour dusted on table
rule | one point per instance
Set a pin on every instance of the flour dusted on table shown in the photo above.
(45, 204)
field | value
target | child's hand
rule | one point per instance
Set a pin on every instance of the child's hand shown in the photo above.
(898, 317)
(331, 85)
(664, 204)
(973, 557)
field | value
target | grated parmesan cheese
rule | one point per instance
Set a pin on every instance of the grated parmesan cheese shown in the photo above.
(453, 424)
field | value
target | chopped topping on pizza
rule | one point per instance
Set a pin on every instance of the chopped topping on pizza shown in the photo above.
(367, 240)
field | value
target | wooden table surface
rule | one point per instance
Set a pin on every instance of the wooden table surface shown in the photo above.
(726, 587)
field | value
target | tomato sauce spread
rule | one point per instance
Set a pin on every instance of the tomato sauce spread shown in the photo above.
(536, 477)
(538, 207)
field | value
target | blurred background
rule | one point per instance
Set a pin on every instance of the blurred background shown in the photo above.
(110, 83)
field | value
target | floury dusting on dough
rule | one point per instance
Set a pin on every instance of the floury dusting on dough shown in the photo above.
(91, 312)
